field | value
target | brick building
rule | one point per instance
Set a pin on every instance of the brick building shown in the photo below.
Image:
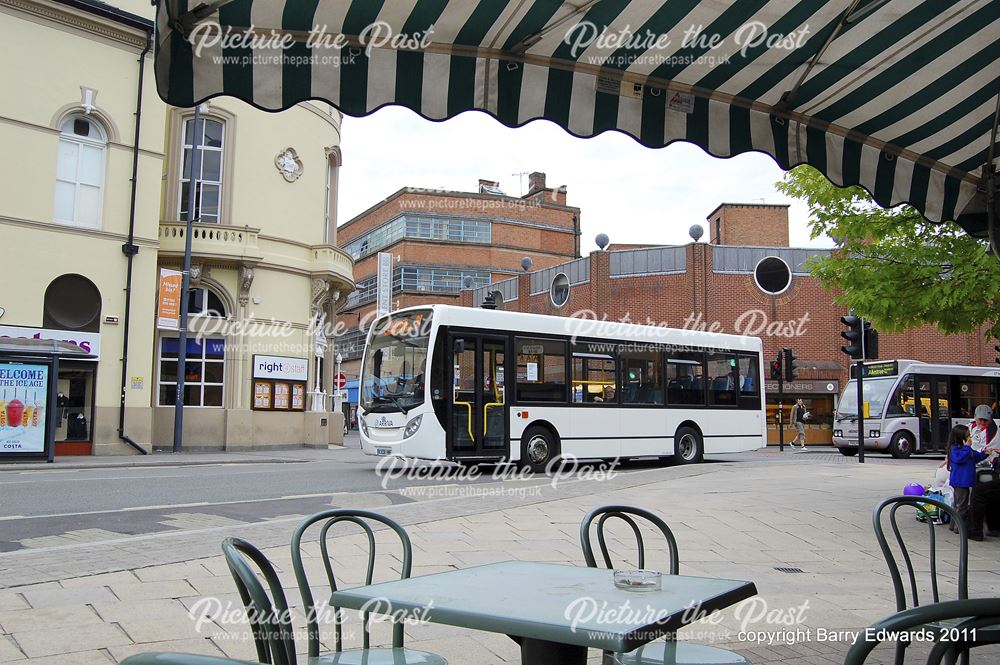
(440, 239)
(751, 282)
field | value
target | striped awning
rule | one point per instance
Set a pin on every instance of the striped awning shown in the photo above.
(898, 96)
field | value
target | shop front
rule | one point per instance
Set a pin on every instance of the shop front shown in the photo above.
(76, 382)
(819, 397)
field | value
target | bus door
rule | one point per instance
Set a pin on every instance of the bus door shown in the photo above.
(477, 408)
(933, 408)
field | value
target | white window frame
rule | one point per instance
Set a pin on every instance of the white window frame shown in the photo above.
(182, 178)
(202, 360)
(81, 142)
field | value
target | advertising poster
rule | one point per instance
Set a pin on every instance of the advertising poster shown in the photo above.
(168, 310)
(23, 398)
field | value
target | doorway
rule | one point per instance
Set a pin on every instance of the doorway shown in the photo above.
(477, 410)
(933, 404)
(75, 408)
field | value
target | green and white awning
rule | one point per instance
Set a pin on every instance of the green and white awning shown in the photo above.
(898, 96)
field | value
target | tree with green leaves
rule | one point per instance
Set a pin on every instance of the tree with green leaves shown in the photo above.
(895, 268)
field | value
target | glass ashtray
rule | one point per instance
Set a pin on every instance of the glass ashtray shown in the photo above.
(638, 580)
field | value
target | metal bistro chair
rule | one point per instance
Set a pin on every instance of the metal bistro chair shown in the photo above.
(893, 504)
(270, 619)
(669, 652)
(397, 655)
(961, 615)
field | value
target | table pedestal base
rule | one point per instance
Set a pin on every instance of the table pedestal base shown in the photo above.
(541, 652)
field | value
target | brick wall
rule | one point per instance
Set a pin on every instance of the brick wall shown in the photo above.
(749, 224)
(513, 236)
(804, 317)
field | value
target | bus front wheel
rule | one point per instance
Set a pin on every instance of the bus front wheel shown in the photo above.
(538, 448)
(901, 445)
(688, 446)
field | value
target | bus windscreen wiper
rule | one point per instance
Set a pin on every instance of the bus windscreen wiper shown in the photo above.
(395, 400)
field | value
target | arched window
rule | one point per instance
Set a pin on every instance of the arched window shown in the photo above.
(210, 136)
(203, 302)
(80, 172)
(72, 302)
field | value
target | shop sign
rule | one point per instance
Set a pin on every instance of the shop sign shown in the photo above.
(24, 394)
(168, 309)
(280, 367)
(818, 387)
(88, 342)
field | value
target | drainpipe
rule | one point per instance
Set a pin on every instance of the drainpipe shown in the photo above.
(130, 249)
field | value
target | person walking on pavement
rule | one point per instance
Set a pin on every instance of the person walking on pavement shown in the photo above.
(797, 418)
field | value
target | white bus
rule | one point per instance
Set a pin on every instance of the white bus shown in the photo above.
(434, 386)
(910, 406)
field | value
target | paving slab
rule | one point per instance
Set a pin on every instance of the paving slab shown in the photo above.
(51, 640)
(822, 526)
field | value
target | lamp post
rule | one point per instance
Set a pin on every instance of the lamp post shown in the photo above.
(193, 203)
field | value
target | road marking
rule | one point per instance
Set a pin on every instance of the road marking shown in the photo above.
(296, 519)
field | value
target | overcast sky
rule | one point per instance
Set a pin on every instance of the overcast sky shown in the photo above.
(630, 192)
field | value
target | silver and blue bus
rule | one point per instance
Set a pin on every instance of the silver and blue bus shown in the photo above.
(910, 407)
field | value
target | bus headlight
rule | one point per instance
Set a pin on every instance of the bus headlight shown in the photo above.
(874, 434)
(839, 433)
(364, 426)
(412, 427)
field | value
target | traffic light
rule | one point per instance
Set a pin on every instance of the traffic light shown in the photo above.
(997, 347)
(853, 336)
(871, 342)
(776, 368)
(788, 363)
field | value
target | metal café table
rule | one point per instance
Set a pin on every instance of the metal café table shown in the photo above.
(537, 605)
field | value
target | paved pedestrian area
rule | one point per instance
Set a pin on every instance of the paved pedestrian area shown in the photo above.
(798, 526)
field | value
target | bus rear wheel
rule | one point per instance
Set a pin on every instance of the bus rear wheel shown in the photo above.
(688, 446)
(538, 448)
(901, 445)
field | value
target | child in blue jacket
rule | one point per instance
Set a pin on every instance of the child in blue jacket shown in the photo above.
(962, 460)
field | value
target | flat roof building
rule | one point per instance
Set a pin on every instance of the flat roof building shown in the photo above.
(746, 281)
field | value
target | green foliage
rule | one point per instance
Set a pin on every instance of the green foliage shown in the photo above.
(894, 267)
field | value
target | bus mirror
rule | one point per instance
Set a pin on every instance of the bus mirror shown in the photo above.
(459, 346)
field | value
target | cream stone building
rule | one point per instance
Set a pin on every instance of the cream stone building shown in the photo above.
(94, 205)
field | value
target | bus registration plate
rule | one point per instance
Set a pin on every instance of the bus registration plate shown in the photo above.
(382, 451)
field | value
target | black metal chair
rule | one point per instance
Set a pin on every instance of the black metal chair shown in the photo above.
(918, 503)
(659, 652)
(271, 623)
(398, 654)
(953, 616)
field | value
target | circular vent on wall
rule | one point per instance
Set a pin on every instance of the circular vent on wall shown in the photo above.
(72, 302)
(773, 276)
(559, 291)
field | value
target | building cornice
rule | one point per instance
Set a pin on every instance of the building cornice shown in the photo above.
(45, 129)
(64, 14)
(76, 230)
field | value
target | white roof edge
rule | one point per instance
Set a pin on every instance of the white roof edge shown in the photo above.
(547, 324)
